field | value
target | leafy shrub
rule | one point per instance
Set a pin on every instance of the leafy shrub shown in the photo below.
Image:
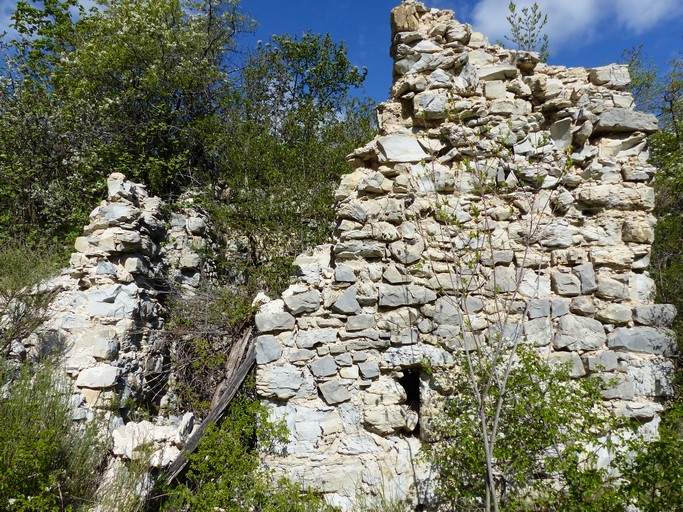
(47, 461)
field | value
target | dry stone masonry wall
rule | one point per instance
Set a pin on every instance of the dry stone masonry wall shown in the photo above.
(109, 309)
(495, 179)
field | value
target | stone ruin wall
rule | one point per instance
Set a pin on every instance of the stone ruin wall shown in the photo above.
(108, 313)
(339, 354)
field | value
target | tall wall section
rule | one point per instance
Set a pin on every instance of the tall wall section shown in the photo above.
(495, 179)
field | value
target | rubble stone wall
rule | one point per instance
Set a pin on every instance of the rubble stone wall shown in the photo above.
(534, 175)
(109, 309)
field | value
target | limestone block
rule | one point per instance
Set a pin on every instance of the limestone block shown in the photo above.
(603, 361)
(494, 90)
(639, 230)
(583, 306)
(100, 377)
(404, 18)
(615, 76)
(375, 183)
(615, 257)
(369, 369)
(561, 134)
(538, 308)
(507, 107)
(360, 322)
(400, 148)
(113, 301)
(275, 321)
(334, 392)
(347, 304)
(539, 331)
(571, 359)
(324, 367)
(128, 439)
(617, 386)
(611, 289)
(645, 340)
(617, 197)
(414, 355)
(408, 251)
(280, 382)
(447, 311)
(396, 275)
(497, 72)
(358, 250)
(625, 120)
(660, 315)
(586, 275)
(641, 288)
(559, 307)
(385, 419)
(267, 349)
(617, 314)
(579, 333)
(301, 355)
(307, 302)
(407, 295)
(432, 104)
(567, 285)
(116, 214)
(314, 337)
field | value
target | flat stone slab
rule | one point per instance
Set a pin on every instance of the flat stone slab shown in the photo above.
(646, 340)
(98, 377)
(400, 148)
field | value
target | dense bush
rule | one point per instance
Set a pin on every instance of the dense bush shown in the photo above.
(47, 461)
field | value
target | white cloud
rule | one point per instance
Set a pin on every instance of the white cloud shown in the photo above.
(576, 20)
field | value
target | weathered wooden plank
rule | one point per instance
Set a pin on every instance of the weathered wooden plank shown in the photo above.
(246, 348)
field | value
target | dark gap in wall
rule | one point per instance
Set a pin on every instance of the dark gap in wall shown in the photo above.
(411, 383)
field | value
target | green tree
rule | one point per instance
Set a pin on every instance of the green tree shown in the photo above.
(293, 120)
(526, 29)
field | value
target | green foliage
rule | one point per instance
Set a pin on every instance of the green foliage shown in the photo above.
(526, 29)
(202, 328)
(654, 475)
(542, 439)
(47, 461)
(225, 472)
(292, 122)
(22, 306)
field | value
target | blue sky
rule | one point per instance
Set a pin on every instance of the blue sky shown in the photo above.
(582, 32)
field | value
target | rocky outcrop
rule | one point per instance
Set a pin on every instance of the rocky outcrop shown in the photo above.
(495, 177)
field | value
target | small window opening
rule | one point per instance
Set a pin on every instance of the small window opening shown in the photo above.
(411, 383)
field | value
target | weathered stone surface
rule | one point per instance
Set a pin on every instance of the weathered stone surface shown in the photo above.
(611, 289)
(344, 274)
(566, 285)
(347, 304)
(624, 120)
(646, 340)
(579, 333)
(407, 252)
(324, 367)
(408, 295)
(280, 382)
(586, 275)
(307, 302)
(660, 315)
(100, 377)
(274, 321)
(334, 392)
(314, 337)
(400, 148)
(614, 75)
(267, 349)
(617, 314)
(571, 360)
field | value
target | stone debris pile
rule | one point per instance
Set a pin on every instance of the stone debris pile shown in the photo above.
(495, 179)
